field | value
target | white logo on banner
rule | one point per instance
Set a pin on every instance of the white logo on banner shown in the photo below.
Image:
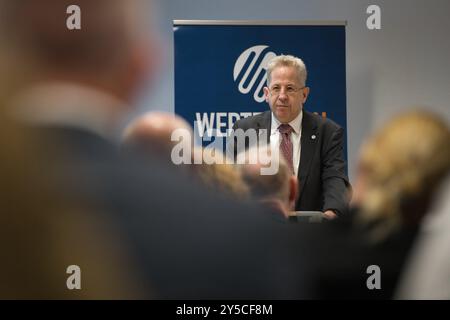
(258, 93)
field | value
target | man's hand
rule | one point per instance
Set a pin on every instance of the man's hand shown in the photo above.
(330, 215)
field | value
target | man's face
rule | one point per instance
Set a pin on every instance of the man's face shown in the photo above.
(285, 94)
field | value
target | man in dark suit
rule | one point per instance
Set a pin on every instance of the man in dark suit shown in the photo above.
(313, 146)
(187, 243)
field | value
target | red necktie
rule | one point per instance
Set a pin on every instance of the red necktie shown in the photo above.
(286, 147)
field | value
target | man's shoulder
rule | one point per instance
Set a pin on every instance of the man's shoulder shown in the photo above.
(252, 121)
(320, 122)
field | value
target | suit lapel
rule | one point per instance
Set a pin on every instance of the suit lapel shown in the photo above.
(265, 123)
(308, 143)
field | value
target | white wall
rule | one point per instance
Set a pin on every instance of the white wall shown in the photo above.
(388, 70)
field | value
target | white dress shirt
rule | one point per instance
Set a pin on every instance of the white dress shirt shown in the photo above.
(275, 138)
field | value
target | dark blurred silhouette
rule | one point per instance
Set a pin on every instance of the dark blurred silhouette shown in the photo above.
(278, 190)
(152, 135)
(43, 230)
(184, 240)
(400, 170)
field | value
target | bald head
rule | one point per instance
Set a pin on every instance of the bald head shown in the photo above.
(151, 133)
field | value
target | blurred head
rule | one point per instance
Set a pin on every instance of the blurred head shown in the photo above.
(400, 168)
(151, 134)
(286, 90)
(110, 52)
(222, 177)
(278, 190)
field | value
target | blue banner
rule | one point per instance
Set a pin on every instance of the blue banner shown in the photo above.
(220, 70)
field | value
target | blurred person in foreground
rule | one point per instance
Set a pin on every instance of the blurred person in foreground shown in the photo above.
(184, 239)
(43, 231)
(279, 190)
(400, 169)
(151, 134)
(427, 271)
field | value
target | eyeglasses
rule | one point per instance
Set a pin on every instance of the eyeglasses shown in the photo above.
(289, 90)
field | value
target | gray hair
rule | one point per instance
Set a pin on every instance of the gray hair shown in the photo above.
(287, 61)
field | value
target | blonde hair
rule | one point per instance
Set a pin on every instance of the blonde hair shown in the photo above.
(287, 61)
(402, 165)
(224, 178)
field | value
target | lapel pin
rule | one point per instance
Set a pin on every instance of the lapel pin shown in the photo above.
(313, 137)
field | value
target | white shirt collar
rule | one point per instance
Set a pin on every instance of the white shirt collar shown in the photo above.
(296, 124)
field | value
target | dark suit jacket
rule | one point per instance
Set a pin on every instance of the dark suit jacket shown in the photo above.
(323, 183)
